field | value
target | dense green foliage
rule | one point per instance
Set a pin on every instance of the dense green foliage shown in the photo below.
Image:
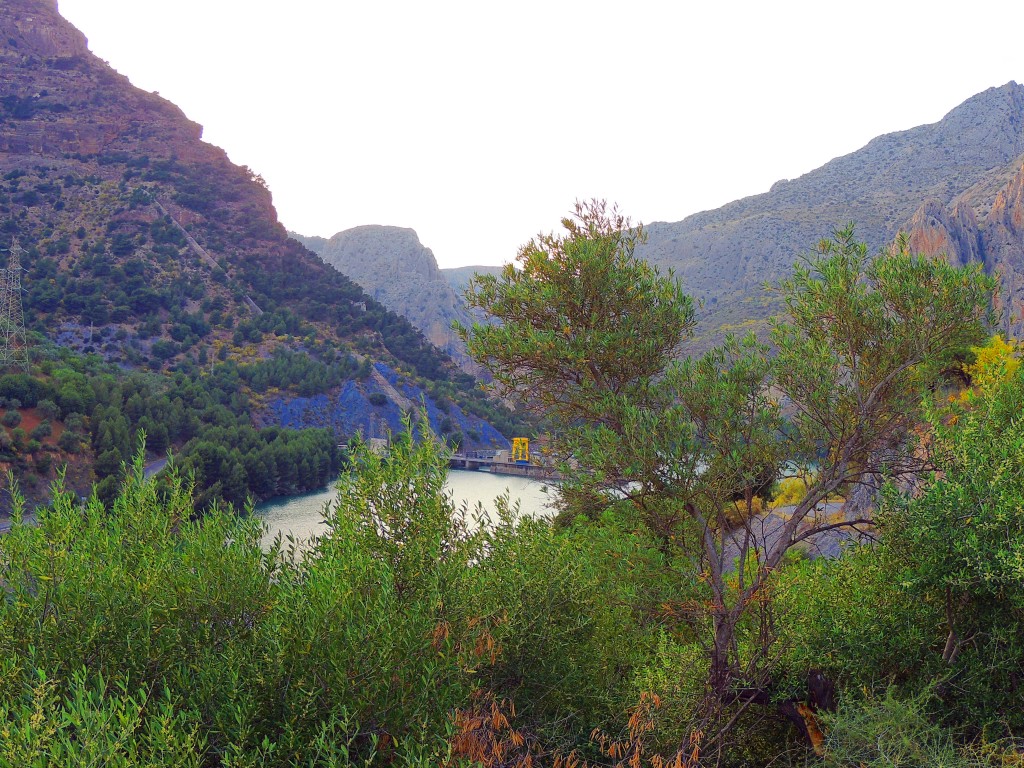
(294, 370)
(205, 650)
(582, 318)
(589, 333)
(203, 420)
(170, 641)
(938, 603)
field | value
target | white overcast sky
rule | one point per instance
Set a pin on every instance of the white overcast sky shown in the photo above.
(479, 123)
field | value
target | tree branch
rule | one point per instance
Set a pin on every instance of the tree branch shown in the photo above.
(815, 530)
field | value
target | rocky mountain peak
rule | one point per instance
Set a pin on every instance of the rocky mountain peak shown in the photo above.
(368, 249)
(393, 266)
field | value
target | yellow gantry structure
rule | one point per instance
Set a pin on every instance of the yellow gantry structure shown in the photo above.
(520, 449)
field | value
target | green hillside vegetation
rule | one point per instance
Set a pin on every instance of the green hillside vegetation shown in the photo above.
(80, 415)
(100, 413)
(99, 252)
(647, 626)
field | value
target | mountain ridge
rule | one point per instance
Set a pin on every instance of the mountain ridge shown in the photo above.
(725, 255)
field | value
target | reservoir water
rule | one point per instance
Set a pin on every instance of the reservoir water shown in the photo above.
(302, 515)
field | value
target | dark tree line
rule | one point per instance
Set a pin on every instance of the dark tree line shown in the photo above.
(204, 421)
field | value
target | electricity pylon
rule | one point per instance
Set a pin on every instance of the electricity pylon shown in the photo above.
(13, 345)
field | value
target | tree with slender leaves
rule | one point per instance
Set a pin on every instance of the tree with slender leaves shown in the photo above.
(589, 335)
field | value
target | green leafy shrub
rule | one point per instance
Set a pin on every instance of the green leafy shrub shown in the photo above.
(892, 732)
(41, 431)
(49, 409)
(938, 603)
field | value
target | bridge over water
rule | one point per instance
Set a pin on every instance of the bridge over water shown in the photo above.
(499, 463)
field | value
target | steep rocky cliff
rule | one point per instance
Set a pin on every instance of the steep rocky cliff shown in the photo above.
(393, 266)
(725, 255)
(58, 99)
(984, 224)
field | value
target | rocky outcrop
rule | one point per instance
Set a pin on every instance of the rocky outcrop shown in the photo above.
(934, 229)
(39, 30)
(1003, 236)
(51, 82)
(996, 240)
(351, 410)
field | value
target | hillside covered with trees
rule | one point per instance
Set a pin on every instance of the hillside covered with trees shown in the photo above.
(149, 255)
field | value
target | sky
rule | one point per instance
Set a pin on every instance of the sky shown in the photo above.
(479, 124)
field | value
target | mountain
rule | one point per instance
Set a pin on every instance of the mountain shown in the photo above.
(396, 269)
(146, 247)
(393, 266)
(954, 186)
(131, 221)
(724, 256)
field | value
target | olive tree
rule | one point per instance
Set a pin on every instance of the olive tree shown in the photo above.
(592, 336)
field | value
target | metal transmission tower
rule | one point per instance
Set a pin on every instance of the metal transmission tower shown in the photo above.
(13, 345)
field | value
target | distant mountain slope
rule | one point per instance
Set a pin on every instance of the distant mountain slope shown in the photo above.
(725, 255)
(393, 266)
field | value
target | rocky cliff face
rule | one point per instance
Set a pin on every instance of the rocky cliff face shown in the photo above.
(393, 266)
(1003, 241)
(57, 98)
(724, 256)
(995, 238)
(936, 229)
